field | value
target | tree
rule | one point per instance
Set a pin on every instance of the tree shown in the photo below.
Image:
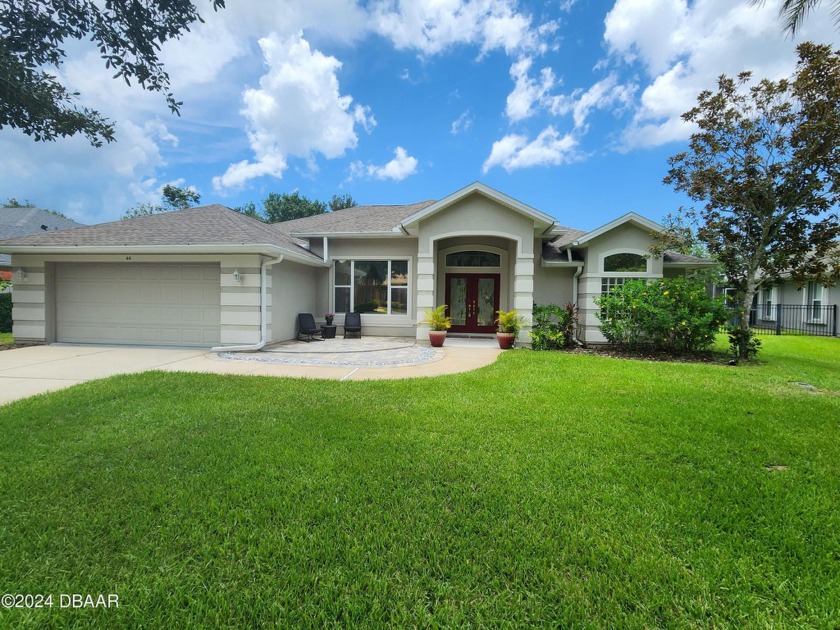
(11, 202)
(342, 202)
(249, 210)
(766, 164)
(129, 36)
(794, 12)
(173, 198)
(285, 207)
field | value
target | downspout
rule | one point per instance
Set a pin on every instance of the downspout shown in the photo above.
(575, 293)
(263, 313)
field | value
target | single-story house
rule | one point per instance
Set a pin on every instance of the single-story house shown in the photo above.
(212, 277)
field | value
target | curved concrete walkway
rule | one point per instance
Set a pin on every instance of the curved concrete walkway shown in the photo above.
(34, 370)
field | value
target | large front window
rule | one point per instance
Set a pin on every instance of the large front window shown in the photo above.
(371, 286)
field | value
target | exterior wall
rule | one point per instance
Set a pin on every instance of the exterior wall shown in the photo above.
(625, 238)
(373, 249)
(475, 217)
(553, 285)
(34, 299)
(291, 293)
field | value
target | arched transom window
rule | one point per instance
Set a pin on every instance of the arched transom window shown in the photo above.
(625, 262)
(473, 259)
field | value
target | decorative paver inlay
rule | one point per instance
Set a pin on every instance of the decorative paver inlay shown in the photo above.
(366, 352)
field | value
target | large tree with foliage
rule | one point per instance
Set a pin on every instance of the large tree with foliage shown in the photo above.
(288, 206)
(765, 164)
(172, 198)
(340, 202)
(128, 34)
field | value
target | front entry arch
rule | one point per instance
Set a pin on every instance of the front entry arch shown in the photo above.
(472, 299)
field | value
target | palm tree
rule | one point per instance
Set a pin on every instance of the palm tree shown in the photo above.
(794, 12)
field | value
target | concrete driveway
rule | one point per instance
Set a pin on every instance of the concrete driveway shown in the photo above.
(37, 369)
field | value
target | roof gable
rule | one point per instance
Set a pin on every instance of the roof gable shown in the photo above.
(631, 218)
(542, 221)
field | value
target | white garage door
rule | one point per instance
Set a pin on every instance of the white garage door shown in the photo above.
(137, 303)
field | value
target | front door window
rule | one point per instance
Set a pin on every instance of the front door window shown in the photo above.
(473, 300)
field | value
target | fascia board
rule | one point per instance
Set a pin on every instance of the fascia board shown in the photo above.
(265, 249)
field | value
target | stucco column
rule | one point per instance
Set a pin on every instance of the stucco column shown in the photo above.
(523, 293)
(425, 290)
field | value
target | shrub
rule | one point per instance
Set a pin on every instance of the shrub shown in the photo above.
(554, 326)
(5, 312)
(674, 315)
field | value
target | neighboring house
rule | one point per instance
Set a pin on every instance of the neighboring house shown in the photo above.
(209, 276)
(22, 221)
(810, 307)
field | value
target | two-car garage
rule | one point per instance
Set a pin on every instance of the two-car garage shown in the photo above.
(138, 303)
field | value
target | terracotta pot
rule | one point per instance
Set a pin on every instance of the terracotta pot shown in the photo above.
(505, 340)
(437, 337)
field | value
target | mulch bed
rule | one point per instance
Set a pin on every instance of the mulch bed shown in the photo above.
(650, 355)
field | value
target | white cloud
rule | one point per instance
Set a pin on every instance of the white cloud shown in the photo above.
(527, 92)
(432, 26)
(682, 48)
(402, 166)
(514, 151)
(462, 124)
(298, 111)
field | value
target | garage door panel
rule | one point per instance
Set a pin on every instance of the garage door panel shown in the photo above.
(138, 304)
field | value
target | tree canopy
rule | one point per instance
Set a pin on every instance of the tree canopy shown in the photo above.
(128, 35)
(172, 198)
(765, 164)
(277, 207)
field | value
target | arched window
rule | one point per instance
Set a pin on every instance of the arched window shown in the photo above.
(625, 262)
(473, 259)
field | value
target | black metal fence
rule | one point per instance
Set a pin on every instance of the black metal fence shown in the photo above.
(793, 319)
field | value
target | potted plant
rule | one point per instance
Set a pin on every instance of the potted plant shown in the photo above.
(510, 322)
(438, 322)
(328, 331)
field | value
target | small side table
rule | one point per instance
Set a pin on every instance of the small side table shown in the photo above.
(328, 332)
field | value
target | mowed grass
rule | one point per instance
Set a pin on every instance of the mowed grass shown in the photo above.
(6, 339)
(548, 489)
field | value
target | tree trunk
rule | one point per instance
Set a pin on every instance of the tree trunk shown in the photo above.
(744, 323)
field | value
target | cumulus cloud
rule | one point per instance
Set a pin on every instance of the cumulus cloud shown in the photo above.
(298, 110)
(432, 26)
(549, 148)
(528, 94)
(682, 48)
(402, 166)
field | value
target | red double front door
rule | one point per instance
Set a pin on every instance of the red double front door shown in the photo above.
(473, 300)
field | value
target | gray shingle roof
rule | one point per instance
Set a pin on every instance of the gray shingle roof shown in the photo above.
(674, 257)
(356, 220)
(22, 221)
(204, 225)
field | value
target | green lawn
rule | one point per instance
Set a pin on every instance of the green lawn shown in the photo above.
(547, 489)
(6, 339)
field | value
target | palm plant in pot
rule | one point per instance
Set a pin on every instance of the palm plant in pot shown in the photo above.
(438, 322)
(510, 322)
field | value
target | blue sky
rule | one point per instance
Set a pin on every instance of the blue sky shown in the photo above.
(570, 106)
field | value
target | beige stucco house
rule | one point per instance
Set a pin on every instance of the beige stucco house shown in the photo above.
(211, 277)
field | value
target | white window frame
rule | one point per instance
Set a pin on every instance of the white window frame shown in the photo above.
(351, 286)
(765, 314)
(628, 274)
(821, 296)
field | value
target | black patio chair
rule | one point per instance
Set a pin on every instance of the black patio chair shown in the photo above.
(353, 324)
(307, 327)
